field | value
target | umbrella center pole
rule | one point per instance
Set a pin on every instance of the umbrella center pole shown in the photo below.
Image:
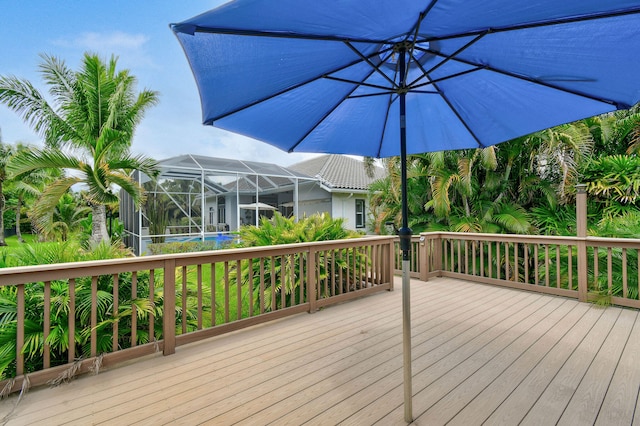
(405, 243)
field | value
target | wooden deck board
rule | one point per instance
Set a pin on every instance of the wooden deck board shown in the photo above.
(481, 354)
(586, 402)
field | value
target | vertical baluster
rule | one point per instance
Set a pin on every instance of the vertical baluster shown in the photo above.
(507, 268)
(516, 262)
(473, 257)
(499, 260)
(482, 258)
(625, 290)
(536, 270)
(335, 286)
(570, 266)
(445, 245)
(283, 300)
(71, 354)
(134, 312)
(546, 264)
(459, 256)
(300, 277)
(262, 286)
(327, 289)
(609, 271)
(20, 331)
(490, 258)
(199, 283)
(94, 315)
(226, 292)
(116, 308)
(558, 283)
(292, 277)
(340, 275)
(47, 325)
(596, 266)
(239, 289)
(152, 317)
(212, 286)
(354, 255)
(184, 299)
(526, 262)
(250, 286)
(466, 257)
(273, 283)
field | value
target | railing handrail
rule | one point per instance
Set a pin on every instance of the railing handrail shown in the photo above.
(540, 239)
(16, 274)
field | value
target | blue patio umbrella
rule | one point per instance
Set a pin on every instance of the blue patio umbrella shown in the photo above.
(384, 78)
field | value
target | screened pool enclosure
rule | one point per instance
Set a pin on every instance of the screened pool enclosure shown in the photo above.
(199, 198)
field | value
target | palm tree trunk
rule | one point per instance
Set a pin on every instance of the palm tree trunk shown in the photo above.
(2, 241)
(99, 225)
(18, 208)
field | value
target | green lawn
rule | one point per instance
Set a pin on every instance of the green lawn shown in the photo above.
(13, 241)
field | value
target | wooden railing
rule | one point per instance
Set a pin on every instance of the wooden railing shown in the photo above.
(416, 257)
(586, 268)
(72, 318)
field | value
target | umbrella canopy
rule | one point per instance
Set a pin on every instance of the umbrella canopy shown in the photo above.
(323, 77)
(384, 78)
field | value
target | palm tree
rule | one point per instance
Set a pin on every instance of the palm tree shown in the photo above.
(5, 152)
(87, 128)
(28, 188)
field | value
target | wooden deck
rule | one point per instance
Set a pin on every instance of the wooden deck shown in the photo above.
(482, 355)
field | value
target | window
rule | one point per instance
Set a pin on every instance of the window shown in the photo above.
(212, 216)
(360, 213)
(222, 213)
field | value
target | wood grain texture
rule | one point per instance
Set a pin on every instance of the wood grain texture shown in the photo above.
(481, 354)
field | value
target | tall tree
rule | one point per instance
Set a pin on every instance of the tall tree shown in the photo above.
(88, 128)
(5, 153)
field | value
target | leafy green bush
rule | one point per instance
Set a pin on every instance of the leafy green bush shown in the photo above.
(58, 339)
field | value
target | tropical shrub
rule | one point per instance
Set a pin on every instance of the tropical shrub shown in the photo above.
(58, 339)
(334, 266)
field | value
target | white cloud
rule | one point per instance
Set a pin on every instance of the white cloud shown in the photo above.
(131, 49)
(114, 41)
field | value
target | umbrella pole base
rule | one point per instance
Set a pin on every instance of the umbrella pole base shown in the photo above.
(406, 342)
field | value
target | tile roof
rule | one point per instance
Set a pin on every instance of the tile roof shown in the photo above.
(338, 171)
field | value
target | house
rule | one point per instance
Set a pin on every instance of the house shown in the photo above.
(198, 197)
(341, 188)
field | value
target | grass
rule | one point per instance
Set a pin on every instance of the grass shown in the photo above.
(14, 246)
(13, 240)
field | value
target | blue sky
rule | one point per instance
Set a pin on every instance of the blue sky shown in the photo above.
(137, 32)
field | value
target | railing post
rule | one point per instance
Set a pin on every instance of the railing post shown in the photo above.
(312, 276)
(169, 308)
(581, 231)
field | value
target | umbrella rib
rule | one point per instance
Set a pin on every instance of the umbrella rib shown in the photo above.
(288, 89)
(438, 80)
(413, 46)
(384, 127)
(368, 61)
(462, 120)
(559, 21)
(329, 112)
(192, 29)
(344, 80)
(457, 52)
(540, 82)
(371, 94)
